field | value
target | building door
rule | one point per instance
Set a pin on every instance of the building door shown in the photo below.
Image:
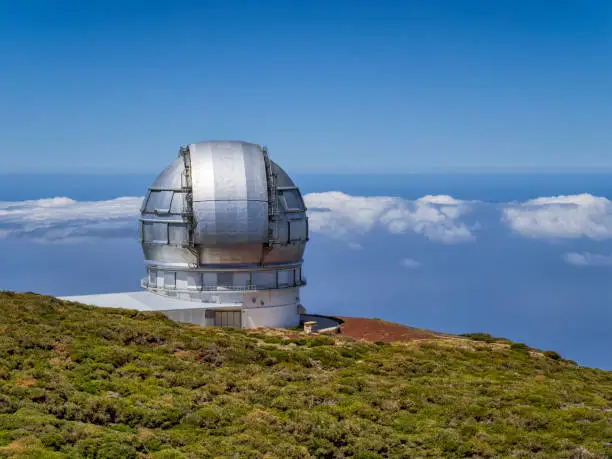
(228, 319)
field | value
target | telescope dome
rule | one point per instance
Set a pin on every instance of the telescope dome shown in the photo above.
(222, 217)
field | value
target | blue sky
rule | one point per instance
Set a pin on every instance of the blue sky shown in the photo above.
(328, 86)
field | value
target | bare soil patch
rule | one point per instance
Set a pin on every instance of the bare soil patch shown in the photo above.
(381, 330)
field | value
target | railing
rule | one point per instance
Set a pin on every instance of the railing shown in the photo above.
(144, 283)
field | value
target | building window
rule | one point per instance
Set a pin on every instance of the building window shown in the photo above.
(159, 202)
(264, 279)
(155, 232)
(152, 278)
(292, 200)
(225, 279)
(297, 230)
(210, 280)
(170, 280)
(286, 278)
(178, 234)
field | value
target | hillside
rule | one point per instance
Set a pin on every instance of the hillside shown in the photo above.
(78, 381)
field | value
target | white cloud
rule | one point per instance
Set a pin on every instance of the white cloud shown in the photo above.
(435, 217)
(334, 213)
(587, 259)
(410, 263)
(61, 219)
(438, 218)
(572, 216)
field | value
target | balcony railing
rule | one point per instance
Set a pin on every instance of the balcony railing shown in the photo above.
(222, 287)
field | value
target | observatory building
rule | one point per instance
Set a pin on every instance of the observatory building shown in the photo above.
(223, 230)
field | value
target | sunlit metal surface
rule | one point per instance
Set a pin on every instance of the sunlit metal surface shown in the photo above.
(223, 207)
(230, 197)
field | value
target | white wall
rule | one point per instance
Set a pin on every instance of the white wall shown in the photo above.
(271, 297)
(272, 308)
(275, 317)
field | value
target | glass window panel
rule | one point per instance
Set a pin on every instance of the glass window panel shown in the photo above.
(159, 201)
(210, 280)
(242, 279)
(181, 280)
(155, 232)
(169, 280)
(143, 206)
(153, 278)
(178, 234)
(297, 230)
(178, 203)
(188, 280)
(225, 279)
(293, 200)
(264, 279)
(147, 232)
(194, 280)
(285, 277)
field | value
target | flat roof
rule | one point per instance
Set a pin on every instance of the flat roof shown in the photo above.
(143, 301)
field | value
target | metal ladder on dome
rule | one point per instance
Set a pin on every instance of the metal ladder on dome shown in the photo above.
(273, 210)
(187, 214)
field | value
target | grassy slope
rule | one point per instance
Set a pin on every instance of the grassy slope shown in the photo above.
(85, 382)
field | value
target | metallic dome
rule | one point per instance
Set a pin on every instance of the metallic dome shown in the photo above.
(222, 216)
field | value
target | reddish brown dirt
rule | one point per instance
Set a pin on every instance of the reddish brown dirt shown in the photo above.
(380, 330)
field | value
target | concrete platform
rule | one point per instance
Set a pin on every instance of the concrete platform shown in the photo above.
(142, 301)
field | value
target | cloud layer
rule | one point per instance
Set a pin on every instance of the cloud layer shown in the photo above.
(437, 218)
(587, 259)
(560, 217)
(62, 219)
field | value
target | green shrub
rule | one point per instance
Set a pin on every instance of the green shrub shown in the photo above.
(116, 450)
(519, 347)
(486, 337)
(168, 454)
(320, 341)
(79, 381)
(552, 355)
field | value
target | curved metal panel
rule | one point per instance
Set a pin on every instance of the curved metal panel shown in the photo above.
(158, 253)
(228, 171)
(230, 222)
(178, 206)
(231, 254)
(230, 193)
(171, 178)
(282, 178)
(285, 254)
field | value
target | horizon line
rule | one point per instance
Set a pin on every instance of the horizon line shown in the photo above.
(429, 170)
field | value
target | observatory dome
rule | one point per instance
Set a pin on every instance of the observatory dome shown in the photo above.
(225, 227)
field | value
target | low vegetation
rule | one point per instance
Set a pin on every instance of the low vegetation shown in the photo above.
(77, 381)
